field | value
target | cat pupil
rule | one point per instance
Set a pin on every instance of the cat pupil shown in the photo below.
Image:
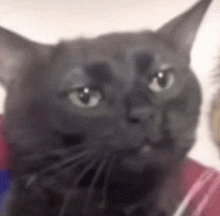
(162, 79)
(84, 95)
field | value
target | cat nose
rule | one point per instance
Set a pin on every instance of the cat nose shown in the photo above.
(150, 119)
(140, 114)
(133, 120)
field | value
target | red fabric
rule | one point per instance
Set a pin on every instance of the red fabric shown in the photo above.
(203, 182)
(4, 148)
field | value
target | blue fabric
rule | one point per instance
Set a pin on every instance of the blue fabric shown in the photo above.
(5, 184)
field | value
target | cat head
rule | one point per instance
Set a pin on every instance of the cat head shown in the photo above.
(128, 101)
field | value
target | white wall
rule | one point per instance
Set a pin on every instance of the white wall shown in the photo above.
(47, 21)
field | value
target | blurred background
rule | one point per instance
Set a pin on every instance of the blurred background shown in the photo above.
(48, 21)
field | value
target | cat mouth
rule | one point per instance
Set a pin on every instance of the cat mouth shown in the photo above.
(112, 177)
(110, 172)
(105, 168)
(149, 154)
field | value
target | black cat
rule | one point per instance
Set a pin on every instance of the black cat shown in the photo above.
(100, 126)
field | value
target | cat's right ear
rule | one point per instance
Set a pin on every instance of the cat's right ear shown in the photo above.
(183, 29)
(16, 52)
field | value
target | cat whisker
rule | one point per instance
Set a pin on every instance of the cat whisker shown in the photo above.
(53, 153)
(84, 172)
(76, 164)
(94, 181)
(31, 180)
(67, 161)
(35, 176)
(105, 185)
(65, 203)
(75, 183)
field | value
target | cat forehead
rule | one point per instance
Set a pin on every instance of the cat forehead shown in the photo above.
(118, 54)
(118, 45)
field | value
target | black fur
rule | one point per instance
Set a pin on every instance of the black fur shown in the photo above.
(101, 126)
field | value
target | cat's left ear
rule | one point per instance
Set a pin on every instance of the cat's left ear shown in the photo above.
(183, 28)
(16, 54)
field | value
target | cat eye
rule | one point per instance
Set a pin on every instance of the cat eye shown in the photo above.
(85, 97)
(161, 81)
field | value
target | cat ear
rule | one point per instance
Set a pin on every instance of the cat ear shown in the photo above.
(16, 53)
(183, 28)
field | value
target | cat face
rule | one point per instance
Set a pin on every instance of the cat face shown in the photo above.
(123, 98)
(111, 115)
